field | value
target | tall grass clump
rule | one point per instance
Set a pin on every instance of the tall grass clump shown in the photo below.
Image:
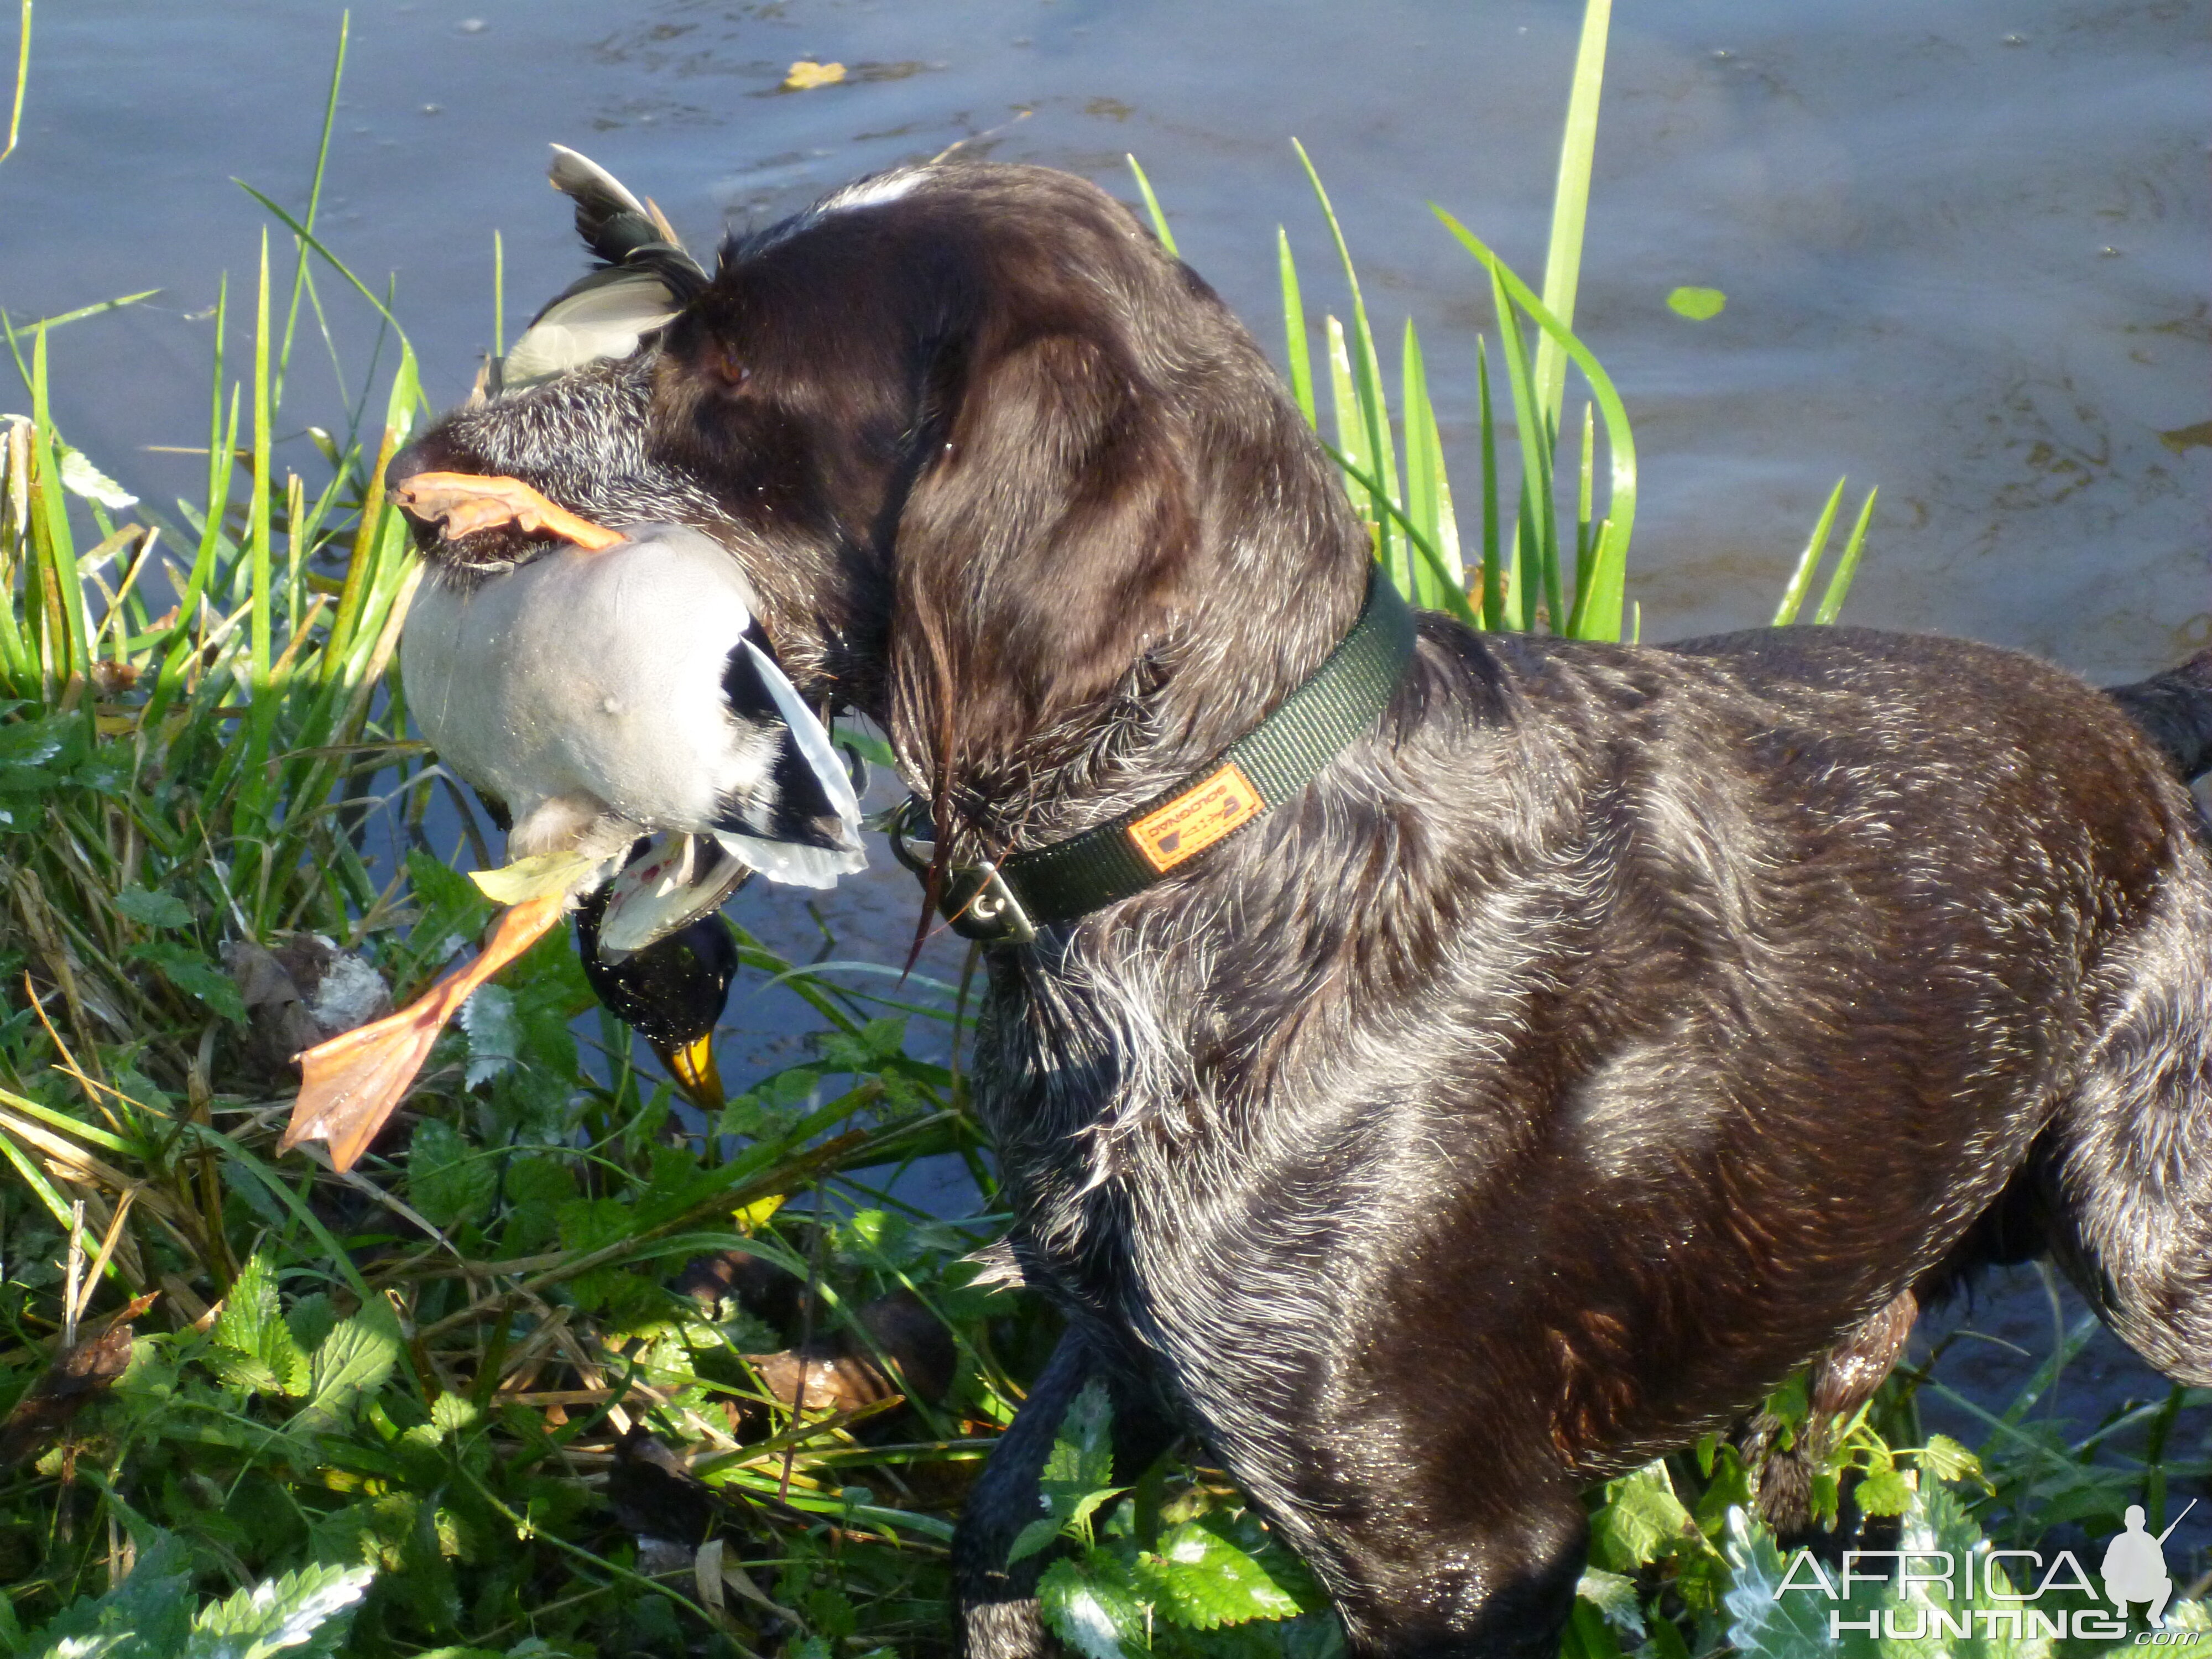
(567, 1371)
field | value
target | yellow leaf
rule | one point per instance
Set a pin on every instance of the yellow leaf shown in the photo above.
(755, 1213)
(533, 877)
(806, 73)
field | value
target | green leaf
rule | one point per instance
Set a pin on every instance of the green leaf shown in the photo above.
(1034, 1537)
(1764, 1621)
(1082, 1458)
(1642, 1520)
(1613, 1595)
(538, 1179)
(154, 909)
(1697, 303)
(1091, 1605)
(494, 1036)
(1199, 1579)
(252, 1326)
(355, 1358)
(147, 1614)
(447, 1179)
(1947, 1460)
(194, 974)
(452, 910)
(1886, 1491)
(292, 1614)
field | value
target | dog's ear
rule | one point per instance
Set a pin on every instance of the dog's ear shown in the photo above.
(1039, 547)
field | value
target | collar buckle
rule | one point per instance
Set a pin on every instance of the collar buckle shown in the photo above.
(975, 901)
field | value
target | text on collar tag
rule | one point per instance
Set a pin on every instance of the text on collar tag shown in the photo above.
(1196, 818)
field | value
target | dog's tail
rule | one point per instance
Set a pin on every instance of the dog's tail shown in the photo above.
(2174, 710)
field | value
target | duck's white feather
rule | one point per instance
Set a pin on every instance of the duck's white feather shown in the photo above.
(587, 692)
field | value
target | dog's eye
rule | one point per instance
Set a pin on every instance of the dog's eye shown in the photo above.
(724, 367)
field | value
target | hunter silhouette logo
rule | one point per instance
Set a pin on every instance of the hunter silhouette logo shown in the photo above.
(2134, 1567)
(1936, 1591)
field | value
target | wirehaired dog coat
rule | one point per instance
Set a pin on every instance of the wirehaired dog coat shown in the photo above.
(1606, 1034)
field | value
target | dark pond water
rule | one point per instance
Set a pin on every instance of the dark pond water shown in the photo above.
(1968, 250)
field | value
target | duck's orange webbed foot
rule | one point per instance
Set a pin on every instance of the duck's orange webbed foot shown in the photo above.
(350, 1085)
(465, 503)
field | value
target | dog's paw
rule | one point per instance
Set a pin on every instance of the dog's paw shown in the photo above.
(1006, 1630)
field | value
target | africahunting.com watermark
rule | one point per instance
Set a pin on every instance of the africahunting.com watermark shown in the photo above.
(2133, 1571)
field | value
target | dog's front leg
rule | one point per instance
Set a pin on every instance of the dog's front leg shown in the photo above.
(995, 1601)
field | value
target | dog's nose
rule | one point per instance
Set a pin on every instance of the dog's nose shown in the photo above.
(424, 455)
(429, 453)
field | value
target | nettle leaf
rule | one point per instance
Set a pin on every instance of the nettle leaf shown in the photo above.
(592, 1224)
(1642, 1520)
(154, 909)
(1886, 1491)
(311, 1319)
(536, 1178)
(194, 975)
(250, 1328)
(81, 477)
(1613, 1595)
(148, 1613)
(1199, 1579)
(494, 1035)
(1766, 1622)
(1082, 1458)
(452, 910)
(1947, 1460)
(355, 1358)
(1091, 1605)
(292, 1614)
(33, 742)
(447, 1179)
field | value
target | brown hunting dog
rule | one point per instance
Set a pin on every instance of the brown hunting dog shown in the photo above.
(1602, 1035)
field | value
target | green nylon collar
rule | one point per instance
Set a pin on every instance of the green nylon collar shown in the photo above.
(1267, 767)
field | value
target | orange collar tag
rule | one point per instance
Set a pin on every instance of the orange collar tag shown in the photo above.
(1196, 818)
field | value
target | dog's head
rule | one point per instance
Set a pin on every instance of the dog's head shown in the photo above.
(1009, 479)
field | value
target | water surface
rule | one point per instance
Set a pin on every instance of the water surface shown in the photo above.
(1967, 250)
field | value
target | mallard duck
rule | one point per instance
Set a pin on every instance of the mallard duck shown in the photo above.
(615, 687)
(614, 690)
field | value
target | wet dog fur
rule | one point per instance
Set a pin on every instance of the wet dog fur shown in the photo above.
(1612, 1033)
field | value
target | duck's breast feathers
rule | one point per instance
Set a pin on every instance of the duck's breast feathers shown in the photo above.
(595, 671)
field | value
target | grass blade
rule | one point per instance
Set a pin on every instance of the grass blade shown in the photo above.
(22, 81)
(1153, 207)
(1608, 580)
(1296, 353)
(1455, 598)
(1562, 258)
(1366, 374)
(1536, 575)
(1493, 572)
(1847, 567)
(314, 203)
(1800, 579)
(256, 543)
(1428, 491)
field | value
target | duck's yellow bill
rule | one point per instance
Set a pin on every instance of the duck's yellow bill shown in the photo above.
(693, 1068)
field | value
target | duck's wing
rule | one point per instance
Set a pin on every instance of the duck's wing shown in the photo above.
(801, 824)
(671, 884)
(644, 277)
